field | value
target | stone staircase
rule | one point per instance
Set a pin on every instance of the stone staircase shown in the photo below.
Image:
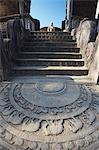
(49, 112)
(50, 53)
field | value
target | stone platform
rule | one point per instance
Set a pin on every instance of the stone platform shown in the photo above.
(49, 114)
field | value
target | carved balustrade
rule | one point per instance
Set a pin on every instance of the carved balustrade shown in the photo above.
(48, 35)
(10, 43)
(87, 39)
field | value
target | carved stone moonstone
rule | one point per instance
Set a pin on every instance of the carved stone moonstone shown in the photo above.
(48, 114)
(50, 94)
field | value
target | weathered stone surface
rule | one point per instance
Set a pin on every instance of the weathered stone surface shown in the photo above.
(9, 46)
(73, 33)
(51, 114)
(1, 48)
(86, 39)
(76, 10)
(94, 67)
(6, 50)
(8, 7)
(86, 33)
(89, 53)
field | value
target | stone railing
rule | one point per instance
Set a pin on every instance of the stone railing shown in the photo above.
(43, 35)
(87, 39)
(10, 46)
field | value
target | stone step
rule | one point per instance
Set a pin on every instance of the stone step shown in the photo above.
(53, 55)
(49, 62)
(86, 80)
(50, 49)
(50, 44)
(52, 70)
(50, 33)
(49, 39)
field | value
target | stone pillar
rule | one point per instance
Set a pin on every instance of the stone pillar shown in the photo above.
(69, 8)
(21, 7)
(28, 4)
(24, 6)
(97, 11)
(97, 15)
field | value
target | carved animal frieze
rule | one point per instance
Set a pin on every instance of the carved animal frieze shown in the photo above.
(53, 127)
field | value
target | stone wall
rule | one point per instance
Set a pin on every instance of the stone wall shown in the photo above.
(6, 49)
(1, 49)
(77, 10)
(84, 8)
(94, 67)
(88, 40)
(8, 7)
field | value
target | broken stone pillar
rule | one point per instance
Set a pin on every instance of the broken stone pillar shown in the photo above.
(68, 24)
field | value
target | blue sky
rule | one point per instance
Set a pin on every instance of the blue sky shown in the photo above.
(48, 11)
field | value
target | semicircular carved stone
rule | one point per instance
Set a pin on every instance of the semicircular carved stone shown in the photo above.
(48, 114)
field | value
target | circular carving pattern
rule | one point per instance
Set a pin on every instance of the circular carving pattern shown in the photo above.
(51, 88)
(48, 99)
(48, 114)
(49, 94)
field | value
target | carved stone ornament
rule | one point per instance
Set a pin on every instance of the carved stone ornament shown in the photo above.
(48, 114)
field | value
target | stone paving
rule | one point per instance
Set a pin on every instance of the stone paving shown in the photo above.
(49, 114)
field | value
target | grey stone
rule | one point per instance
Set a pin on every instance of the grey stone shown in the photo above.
(49, 113)
(1, 49)
(94, 67)
(3, 148)
(86, 33)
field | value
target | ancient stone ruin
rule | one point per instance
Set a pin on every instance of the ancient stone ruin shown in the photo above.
(49, 92)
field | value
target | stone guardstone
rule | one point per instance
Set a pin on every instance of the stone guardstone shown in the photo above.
(48, 114)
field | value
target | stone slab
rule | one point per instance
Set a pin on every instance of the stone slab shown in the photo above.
(49, 114)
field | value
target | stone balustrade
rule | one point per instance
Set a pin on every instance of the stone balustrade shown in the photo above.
(87, 39)
(47, 35)
(10, 43)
